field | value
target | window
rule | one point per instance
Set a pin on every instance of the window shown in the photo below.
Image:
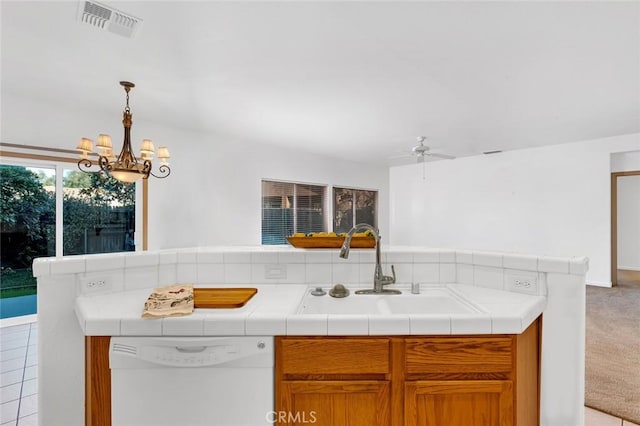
(288, 208)
(353, 206)
(49, 208)
(98, 214)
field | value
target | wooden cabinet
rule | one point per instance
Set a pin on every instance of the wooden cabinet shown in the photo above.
(458, 403)
(333, 381)
(339, 403)
(410, 380)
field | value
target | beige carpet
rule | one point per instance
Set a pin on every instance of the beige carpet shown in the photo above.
(613, 349)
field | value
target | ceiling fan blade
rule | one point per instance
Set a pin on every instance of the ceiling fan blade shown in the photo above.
(400, 156)
(445, 156)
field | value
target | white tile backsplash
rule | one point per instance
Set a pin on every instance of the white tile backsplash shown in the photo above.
(404, 272)
(258, 274)
(41, 266)
(447, 272)
(186, 273)
(219, 265)
(488, 259)
(354, 257)
(486, 276)
(397, 257)
(238, 273)
(207, 256)
(447, 256)
(318, 273)
(464, 256)
(139, 259)
(426, 272)
(167, 257)
(187, 255)
(141, 277)
(464, 273)
(291, 257)
(578, 265)
(295, 274)
(320, 256)
(212, 273)
(553, 264)
(167, 274)
(369, 256)
(516, 261)
(264, 257)
(345, 273)
(68, 265)
(104, 262)
(426, 256)
(237, 257)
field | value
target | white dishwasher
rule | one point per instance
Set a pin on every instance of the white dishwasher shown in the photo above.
(191, 381)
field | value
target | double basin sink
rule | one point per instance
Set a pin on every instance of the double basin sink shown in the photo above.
(440, 300)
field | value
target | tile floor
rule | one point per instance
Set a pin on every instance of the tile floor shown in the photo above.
(19, 380)
(19, 375)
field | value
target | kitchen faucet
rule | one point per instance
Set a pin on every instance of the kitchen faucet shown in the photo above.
(379, 279)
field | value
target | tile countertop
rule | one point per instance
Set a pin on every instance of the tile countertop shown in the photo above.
(271, 312)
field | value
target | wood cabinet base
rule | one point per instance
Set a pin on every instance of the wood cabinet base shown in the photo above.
(489, 380)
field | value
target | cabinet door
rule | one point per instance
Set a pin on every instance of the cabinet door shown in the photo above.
(459, 403)
(335, 403)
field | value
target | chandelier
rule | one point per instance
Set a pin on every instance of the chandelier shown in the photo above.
(126, 167)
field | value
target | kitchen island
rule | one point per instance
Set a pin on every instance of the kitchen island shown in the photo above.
(512, 291)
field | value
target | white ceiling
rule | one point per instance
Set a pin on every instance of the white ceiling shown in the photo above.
(349, 79)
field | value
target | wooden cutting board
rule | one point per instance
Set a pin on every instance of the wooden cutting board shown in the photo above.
(224, 298)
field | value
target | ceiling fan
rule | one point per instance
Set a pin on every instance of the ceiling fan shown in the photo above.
(421, 151)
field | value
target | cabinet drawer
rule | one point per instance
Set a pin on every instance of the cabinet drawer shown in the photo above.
(334, 356)
(459, 355)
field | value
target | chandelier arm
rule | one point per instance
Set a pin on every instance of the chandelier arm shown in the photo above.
(164, 172)
(85, 166)
(105, 165)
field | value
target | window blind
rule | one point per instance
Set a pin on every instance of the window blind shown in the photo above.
(288, 208)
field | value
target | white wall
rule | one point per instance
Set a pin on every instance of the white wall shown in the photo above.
(552, 200)
(625, 161)
(220, 187)
(213, 194)
(629, 222)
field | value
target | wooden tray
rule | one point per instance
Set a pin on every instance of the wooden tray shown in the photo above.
(224, 298)
(330, 242)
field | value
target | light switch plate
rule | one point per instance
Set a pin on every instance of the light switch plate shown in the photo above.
(275, 271)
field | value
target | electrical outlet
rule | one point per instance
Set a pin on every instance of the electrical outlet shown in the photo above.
(95, 284)
(522, 282)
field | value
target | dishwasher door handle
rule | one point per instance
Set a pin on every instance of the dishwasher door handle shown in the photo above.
(191, 349)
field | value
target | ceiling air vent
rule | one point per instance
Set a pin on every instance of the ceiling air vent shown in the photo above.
(108, 18)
